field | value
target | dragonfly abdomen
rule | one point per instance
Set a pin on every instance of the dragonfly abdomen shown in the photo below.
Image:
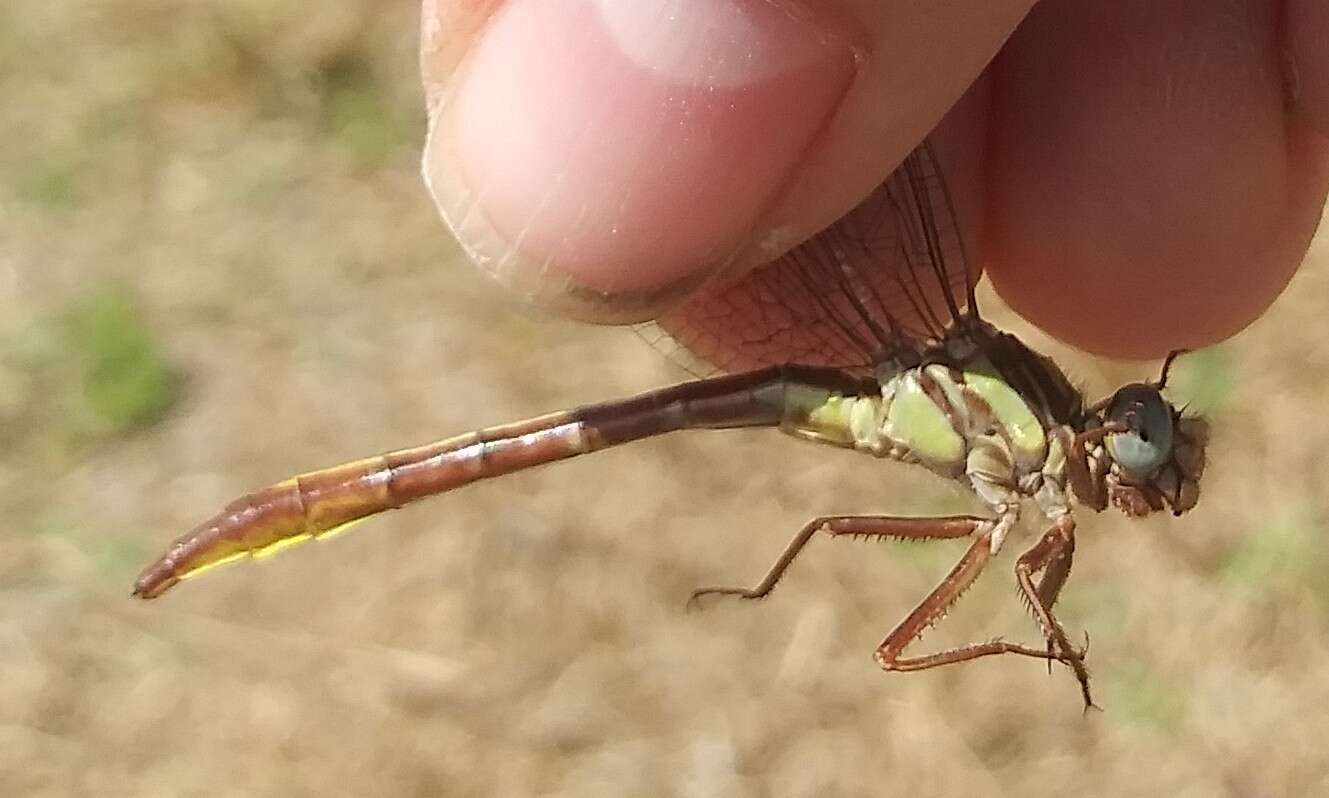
(320, 503)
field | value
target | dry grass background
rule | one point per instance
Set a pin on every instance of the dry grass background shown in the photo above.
(218, 267)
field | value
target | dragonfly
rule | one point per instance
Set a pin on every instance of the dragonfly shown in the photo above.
(866, 337)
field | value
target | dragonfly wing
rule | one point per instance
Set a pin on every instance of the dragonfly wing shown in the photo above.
(890, 275)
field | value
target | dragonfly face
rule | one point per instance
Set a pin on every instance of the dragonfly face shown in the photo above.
(1158, 456)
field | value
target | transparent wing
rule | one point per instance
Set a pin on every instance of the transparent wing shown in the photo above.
(888, 277)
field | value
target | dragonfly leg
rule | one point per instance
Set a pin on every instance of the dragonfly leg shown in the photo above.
(1087, 481)
(867, 526)
(933, 608)
(1058, 568)
(1052, 555)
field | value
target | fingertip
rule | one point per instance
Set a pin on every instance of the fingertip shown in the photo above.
(1133, 212)
(584, 180)
(448, 28)
(635, 152)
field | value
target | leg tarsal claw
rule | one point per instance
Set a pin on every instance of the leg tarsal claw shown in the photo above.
(694, 601)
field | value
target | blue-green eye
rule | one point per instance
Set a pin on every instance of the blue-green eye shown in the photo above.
(1147, 442)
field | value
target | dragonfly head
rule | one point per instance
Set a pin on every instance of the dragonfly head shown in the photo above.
(1155, 451)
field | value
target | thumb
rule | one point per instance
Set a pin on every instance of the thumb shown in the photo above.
(603, 156)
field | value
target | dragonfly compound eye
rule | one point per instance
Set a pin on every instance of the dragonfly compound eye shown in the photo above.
(1147, 442)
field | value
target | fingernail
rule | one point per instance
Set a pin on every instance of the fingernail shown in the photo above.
(592, 150)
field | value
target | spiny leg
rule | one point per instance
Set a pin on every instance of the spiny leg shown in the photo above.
(877, 526)
(1054, 577)
(933, 608)
(1053, 554)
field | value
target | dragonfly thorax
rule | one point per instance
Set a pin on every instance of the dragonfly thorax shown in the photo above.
(939, 415)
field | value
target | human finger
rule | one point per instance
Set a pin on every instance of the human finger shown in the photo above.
(1152, 185)
(605, 157)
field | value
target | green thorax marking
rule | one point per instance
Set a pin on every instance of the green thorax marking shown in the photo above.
(1009, 410)
(936, 413)
(918, 423)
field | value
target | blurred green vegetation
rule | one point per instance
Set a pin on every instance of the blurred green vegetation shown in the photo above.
(124, 381)
(1143, 695)
(358, 115)
(116, 557)
(83, 374)
(1099, 606)
(112, 553)
(1203, 380)
(49, 183)
(1288, 550)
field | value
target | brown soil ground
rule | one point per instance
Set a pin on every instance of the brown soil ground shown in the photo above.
(247, 178)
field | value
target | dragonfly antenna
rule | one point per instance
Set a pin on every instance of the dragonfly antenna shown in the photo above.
(1167, 366)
